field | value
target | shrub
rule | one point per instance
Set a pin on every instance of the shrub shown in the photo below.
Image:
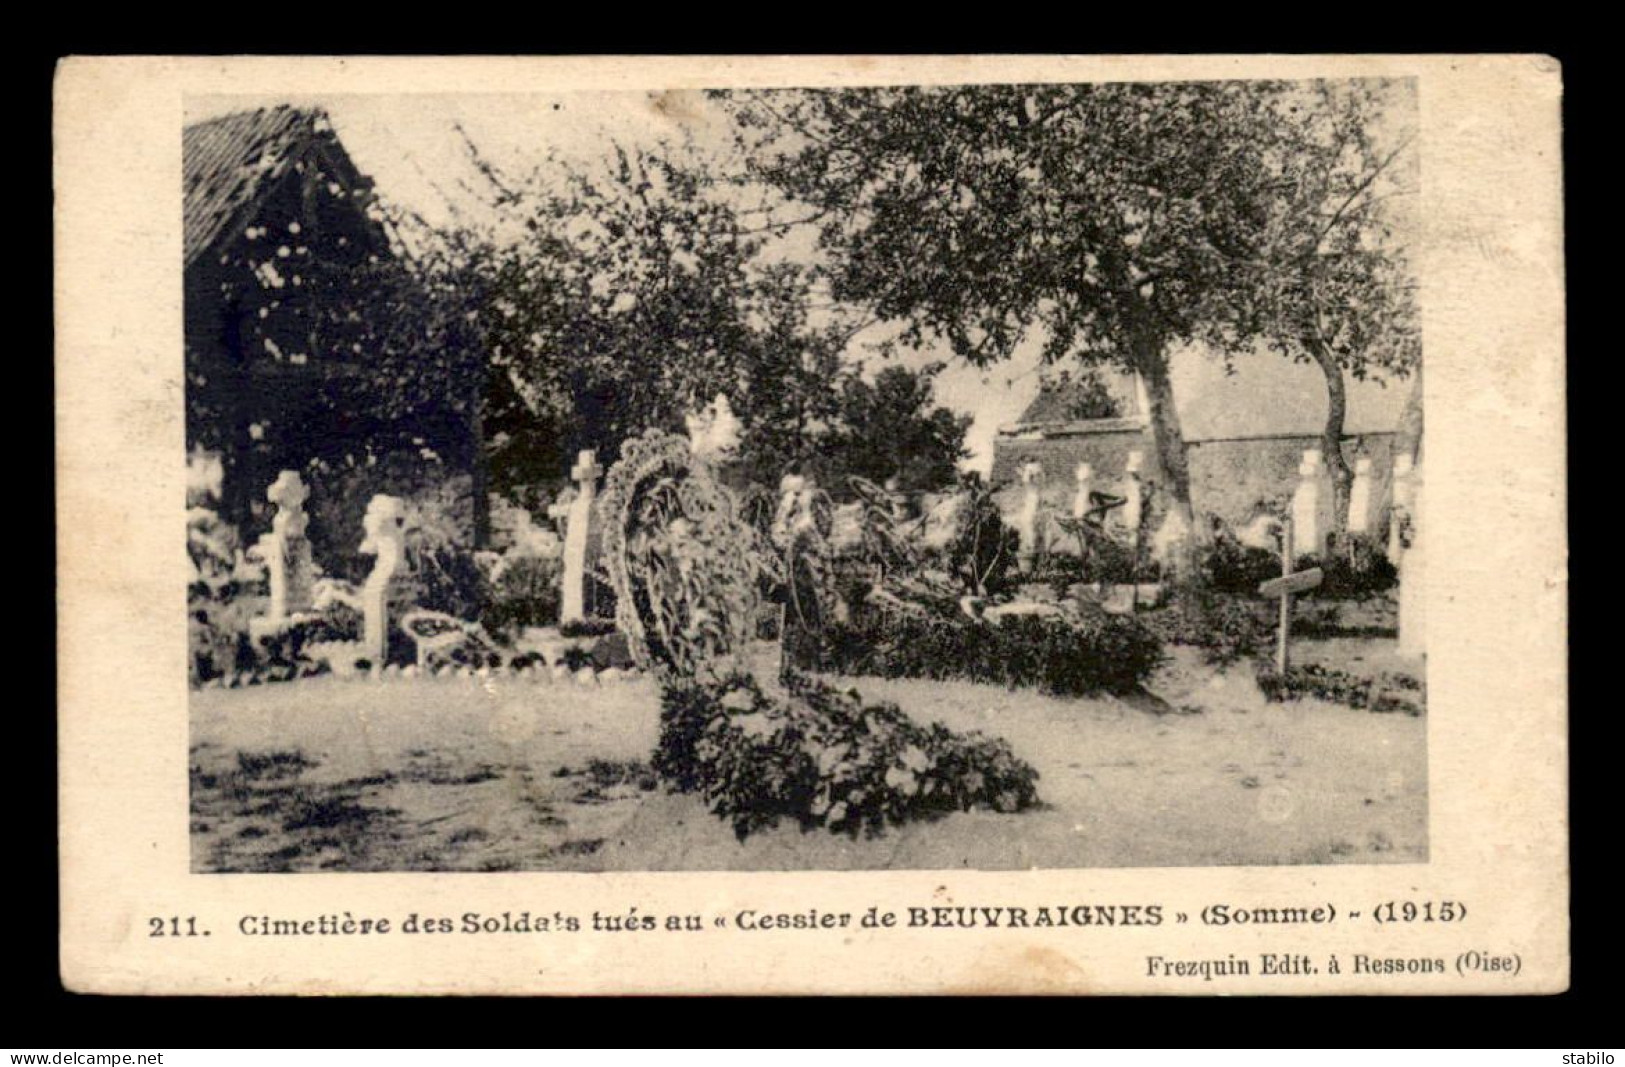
(612, 650)
(1355, 566)
(284, 650)
(588, 627)
(1384, 693)
(1108, 562)
(522, 590)
(823, 758)
(440, 576)
(1226, 628)
(1237, 569)
(224, 594)
(1060, 656)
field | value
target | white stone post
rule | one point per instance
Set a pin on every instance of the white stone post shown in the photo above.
(1362, 497)
(1133, 497)
(585, 474)
(1027, 518)
(1401, 503)
(1309, 525)
(286, 550)
(1409, 523)
(385, 528)
(1080, 499)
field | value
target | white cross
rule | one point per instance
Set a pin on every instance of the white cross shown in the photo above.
(587, 470)
(288, 492)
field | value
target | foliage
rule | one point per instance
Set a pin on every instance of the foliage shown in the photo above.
(1336, 286)
(522, 590)
(1082, 396)
(283, 652)
(1356, 566)
(1103, 560)
(224, 593)
(340, 490)
(823, 758)
(595, 261)
(1226, 628)
(889, 431)
(1062, 656)
(1114, 220)
(1230, 567)
(1383, 693)
(441, 573)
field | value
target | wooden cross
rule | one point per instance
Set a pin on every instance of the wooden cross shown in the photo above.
(1284, 587)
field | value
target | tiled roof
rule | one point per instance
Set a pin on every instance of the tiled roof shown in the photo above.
(227, 161)
(1059, 398)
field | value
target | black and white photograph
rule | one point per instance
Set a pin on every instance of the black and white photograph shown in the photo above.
(917, 477)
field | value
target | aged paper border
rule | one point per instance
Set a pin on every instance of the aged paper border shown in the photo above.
(1492, 268)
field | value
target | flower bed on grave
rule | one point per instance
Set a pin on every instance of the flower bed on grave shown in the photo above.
(690, 580)
(1071, 656)
(888, 609)
(823, 757)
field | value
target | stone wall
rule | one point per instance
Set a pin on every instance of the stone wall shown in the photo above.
(1228, 477)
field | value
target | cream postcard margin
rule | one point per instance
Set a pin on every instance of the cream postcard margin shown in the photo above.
(1493, 292)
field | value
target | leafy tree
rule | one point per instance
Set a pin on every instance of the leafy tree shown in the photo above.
(633, 297)
(1338, 290)
(1115, 219)
(636, 295)
(891, 429)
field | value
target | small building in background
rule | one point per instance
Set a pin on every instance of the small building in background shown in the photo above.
(289, 279)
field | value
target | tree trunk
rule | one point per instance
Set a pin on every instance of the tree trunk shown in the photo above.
(1331, 438)
(1151, 360)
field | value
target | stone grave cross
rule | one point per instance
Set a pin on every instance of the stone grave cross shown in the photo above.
(385, 528)
(286, 550)
(1284, 587)
(585, 474)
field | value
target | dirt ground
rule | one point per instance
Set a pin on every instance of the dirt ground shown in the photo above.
(510, 774)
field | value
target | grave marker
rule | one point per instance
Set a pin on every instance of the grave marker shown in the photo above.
(286, 550)
(1133, 497)
(1027, 519)
(1412, 563)
(585, 474)
(1361, 497)
(385, 528)
(1285, 587)
(1402, 505)
(1309, 504)
(1080, 499)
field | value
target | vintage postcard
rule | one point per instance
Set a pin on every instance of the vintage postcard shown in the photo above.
(812, 525)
